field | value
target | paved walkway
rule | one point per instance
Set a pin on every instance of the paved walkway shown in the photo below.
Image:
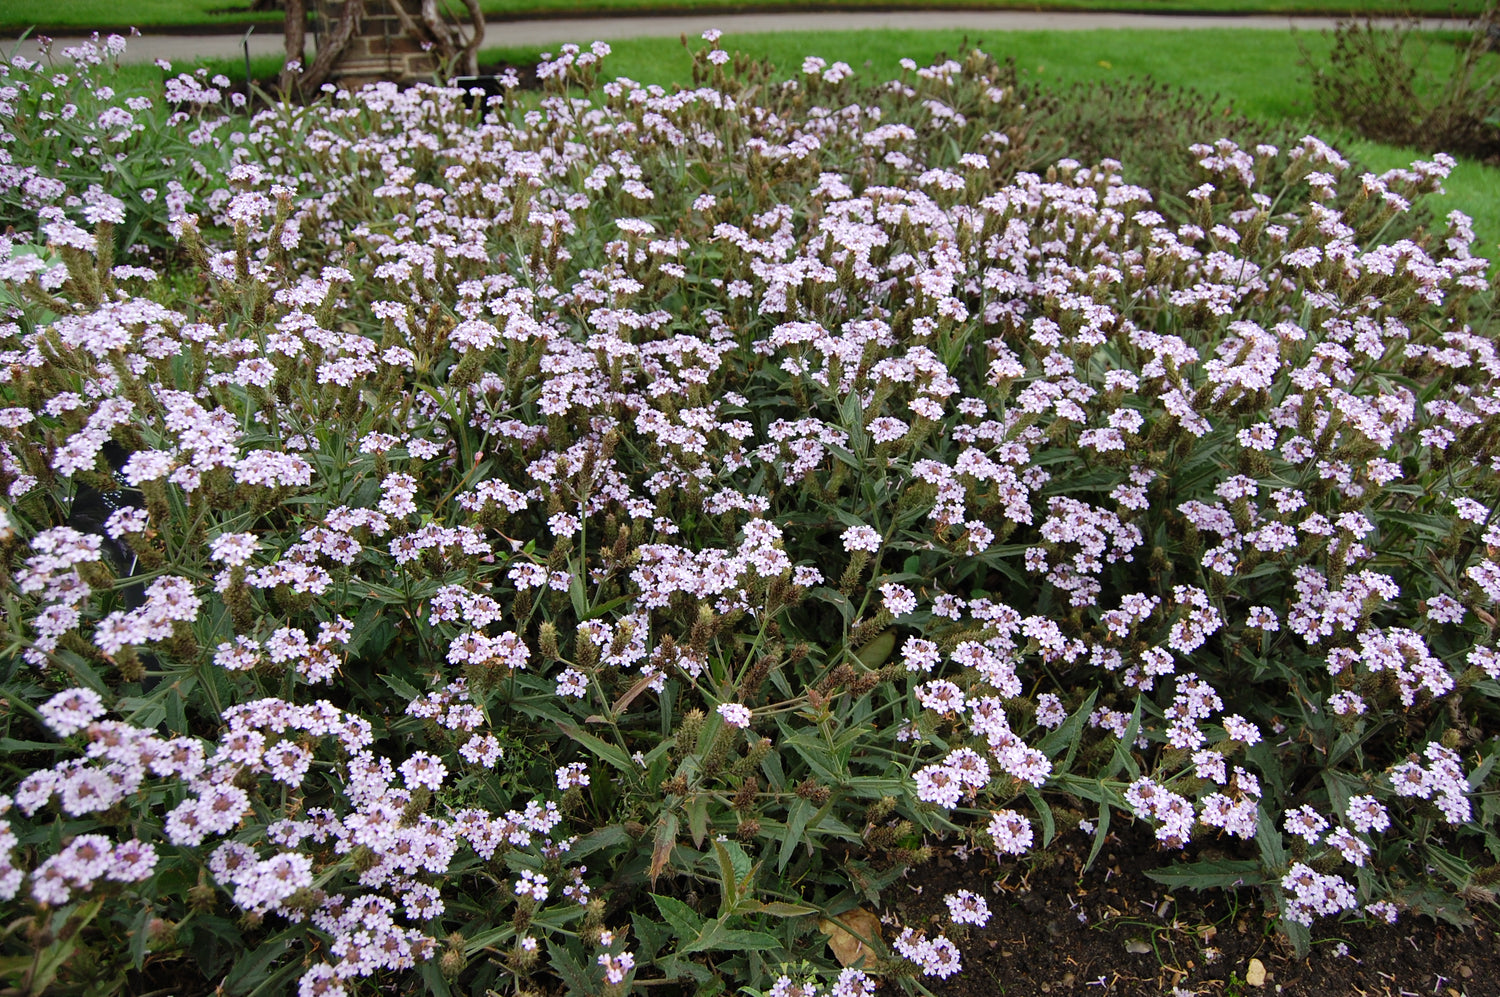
(586, 29)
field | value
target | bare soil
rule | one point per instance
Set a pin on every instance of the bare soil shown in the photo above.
(1058, 931)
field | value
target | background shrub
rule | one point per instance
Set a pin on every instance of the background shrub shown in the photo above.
(1395, 85)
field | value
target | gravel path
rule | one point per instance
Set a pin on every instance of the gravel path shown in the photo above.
(585, 29)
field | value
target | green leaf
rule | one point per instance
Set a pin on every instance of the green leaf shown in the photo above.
(1049, 826)
(1299, 935)
(1210, 873)
(140, 936)
(279, 982)
(651, 935)
(816, 754)
(738, 859)
(771, 766)
(1101, 831)
(1122, 757)
(570, 970)
(250, 971)
(213, 941)
(697, 814)
(364, 628)
(1067, 734)
(432, 976)
(613, 754)
(576, 595)
(1268, 840)
(852, 415)
(796, 823)
(837, 599)
(53, 958)
(9, 744)
(142, 712)
(686, 923)
(1482, 771)
(729, 891)
(614, 834)
(718, 936)
(845, 456)
(400, 686)
(878, 651)
(605, 607)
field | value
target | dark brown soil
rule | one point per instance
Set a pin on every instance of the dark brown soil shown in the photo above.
(1114, 931)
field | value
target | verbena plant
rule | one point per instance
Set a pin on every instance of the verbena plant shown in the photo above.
(599, 545)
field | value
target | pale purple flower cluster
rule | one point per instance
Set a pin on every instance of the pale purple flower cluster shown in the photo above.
(1315, 894)
(83, 863)
(1442, 780)
(70, 711)
(937, 956)
(735, 714)
(1011, 832)
(966, 907)
(1174, 813)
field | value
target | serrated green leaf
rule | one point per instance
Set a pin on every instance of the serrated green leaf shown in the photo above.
(697, 813)
(611, 753)
(686, 923)
(1299, 935)
(796, 824)
(364, 627)
(432, 976)
(650, 936)
(250, 971)
(1268, 841)
(568, 968)
(729, 892)
(603, 837)
(738, 859)
(718, 936)
(400, 686)
(1210, 874)
(140, 936)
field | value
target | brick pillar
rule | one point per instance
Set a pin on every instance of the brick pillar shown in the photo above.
(378, 49)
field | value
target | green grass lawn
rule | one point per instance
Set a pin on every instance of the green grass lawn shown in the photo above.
(18, 15)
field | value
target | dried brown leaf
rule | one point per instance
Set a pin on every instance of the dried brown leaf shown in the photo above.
(841, 932)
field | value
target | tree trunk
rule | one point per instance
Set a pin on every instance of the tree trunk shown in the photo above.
(296, 41)
(335, 42)
(469, 59)
(455, 53)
